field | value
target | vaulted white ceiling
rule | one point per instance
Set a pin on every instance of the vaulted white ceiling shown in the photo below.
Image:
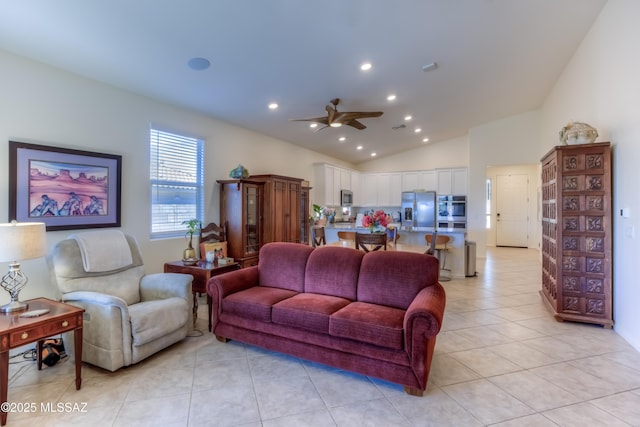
(494, 58)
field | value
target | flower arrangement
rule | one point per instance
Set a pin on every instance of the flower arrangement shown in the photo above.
(377, 219)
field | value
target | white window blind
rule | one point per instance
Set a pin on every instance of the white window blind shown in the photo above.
(177, 177)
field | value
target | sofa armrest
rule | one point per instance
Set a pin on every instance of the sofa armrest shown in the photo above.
(422, 322)
(226, 284)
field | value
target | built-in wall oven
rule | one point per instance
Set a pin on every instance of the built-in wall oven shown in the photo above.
(452, 211)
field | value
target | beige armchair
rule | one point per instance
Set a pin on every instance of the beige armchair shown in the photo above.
(128, 315)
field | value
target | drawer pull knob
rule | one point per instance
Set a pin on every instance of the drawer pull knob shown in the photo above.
(65, 323)
(24, 335)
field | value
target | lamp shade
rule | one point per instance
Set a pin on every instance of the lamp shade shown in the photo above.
(22, 240)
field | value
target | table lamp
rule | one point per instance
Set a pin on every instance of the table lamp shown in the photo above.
(19, 241)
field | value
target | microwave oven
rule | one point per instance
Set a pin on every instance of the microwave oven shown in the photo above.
(346, 198)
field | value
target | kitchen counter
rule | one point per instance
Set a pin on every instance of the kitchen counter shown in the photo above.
(414, 238)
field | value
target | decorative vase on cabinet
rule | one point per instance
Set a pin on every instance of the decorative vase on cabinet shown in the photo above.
(577, 234)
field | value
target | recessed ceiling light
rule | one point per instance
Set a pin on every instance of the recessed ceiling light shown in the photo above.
(313, 125)
(359, 147)
(407, 118)
(342, 138)
(391, 97)
(373, 154)
(273, 105)
(365, 66)
(335, 124)
(199, 64)
(425, 140)
(417, 130)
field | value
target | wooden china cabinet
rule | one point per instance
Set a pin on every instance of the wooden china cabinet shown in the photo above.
(282, 203)
(258, 210)
(241, 211)
(577, 233)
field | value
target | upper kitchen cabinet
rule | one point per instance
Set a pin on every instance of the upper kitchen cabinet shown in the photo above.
(356, 188)
(419, 180)
(390, 189)
(370, 189)
(328, 181)
(452, 181)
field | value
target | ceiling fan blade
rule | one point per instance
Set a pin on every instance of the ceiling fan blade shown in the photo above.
(351, 115)
(321, 120)
(356, 124)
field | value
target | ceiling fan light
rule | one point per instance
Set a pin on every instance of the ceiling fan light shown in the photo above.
(335, 124)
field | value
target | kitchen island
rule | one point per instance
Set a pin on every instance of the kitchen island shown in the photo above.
(413, 241)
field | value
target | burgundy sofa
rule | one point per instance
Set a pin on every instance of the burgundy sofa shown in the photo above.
(377, 313)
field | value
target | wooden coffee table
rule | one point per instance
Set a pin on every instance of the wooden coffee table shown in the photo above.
(16, 331)
(202, 271)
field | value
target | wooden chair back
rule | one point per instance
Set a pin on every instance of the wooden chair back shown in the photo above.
(213, 233)
(370, 242)
(317, 236)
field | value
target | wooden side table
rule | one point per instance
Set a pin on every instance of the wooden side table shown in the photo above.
(16, 331)
(202, 271)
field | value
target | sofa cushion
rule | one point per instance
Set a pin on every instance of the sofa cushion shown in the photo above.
(333, 270)
(308, 311)
(370, 323)
(151, 320)
(395, 278)
(255, 302)
(282, 265)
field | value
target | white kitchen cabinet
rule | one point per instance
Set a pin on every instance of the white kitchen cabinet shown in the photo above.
(459, 181)
(395, 190)
(452, 181)
(419, 180)
(324, 193)
(443, 177)
(345, 179)
(410, 180)
(428, 181)
(370, 189)
(356, 188)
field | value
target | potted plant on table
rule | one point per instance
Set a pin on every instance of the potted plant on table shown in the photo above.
(193, 226)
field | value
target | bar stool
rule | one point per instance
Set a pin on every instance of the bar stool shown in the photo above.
(392, 235)
(438, 244)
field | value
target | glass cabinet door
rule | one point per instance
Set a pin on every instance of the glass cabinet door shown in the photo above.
(252, 219)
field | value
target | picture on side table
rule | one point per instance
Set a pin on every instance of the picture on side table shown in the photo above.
(64, 188)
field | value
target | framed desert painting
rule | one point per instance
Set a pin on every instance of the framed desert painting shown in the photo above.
(64, 188)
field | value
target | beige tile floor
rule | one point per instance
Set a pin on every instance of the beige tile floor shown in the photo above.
(500, 360)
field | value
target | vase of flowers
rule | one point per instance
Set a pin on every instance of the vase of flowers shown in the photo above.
(329, 214)
(376, 222)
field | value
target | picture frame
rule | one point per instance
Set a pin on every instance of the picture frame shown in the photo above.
(64, 188)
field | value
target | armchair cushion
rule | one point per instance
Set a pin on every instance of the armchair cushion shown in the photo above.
(151, 320)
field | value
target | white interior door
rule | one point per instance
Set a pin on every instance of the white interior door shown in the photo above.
(512, 201)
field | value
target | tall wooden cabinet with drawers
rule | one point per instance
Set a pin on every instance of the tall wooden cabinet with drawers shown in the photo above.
(577, 233)
(258, 210)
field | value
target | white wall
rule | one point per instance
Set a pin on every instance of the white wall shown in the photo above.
(600, 86)
(44, 105)
(444, 154)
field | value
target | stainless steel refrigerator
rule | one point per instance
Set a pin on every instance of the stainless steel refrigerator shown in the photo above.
(419, 209)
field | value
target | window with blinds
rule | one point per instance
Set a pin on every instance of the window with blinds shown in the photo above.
(177, 176)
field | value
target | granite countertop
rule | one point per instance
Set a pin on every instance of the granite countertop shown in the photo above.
(352, 226)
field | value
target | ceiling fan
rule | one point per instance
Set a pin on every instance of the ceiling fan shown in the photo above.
(335, 118)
